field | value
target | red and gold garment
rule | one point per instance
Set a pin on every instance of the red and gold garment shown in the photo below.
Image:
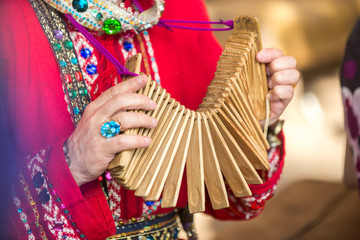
(47, 203)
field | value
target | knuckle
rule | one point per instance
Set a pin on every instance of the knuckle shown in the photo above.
(113, 91)
(293, 61)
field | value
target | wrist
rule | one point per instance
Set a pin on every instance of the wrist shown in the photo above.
(66, 152)
(72, 164)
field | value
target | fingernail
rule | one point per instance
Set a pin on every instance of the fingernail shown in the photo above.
(152, 104)
(141, 79)
(154, 121)
(147, 140)
(262, 56)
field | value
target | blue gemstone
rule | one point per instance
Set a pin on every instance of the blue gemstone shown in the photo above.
(80, 5)
(176, 233)
(150, 238)
(62, 63)
(74, 61)
(29, 231)
(76, 110)
(20, 210)
(38, 179)
(44, 196)
(91, 69)
(85, 53)
(149, 203)
(128, 46)
(110, 129)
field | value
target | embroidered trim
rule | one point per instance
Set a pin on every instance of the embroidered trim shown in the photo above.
(162, 226)
(151, 53)
(81, 42)
(56, 215)
(23, 216)
(63, 49)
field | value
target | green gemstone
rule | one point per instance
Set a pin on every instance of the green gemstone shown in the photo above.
(66, 211)
(57, 47)
(112, 26)
(83, 91)
(72, 94)
(69, 44)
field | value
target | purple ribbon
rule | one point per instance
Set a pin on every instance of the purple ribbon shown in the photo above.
(162, 23)
(119, 67)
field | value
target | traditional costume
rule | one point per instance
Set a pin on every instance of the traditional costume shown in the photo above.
(47, 203)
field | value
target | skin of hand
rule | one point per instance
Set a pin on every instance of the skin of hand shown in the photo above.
(282, 78)
(89, 151)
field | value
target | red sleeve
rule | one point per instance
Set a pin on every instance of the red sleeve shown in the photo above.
(46, 201)
(249, 207)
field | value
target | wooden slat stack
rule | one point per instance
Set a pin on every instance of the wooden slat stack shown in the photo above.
(222, 139)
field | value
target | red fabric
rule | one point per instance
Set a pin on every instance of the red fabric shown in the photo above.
(186, 60)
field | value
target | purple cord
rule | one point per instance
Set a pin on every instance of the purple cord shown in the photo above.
(229, 23)
(120, 68)
(162, 23)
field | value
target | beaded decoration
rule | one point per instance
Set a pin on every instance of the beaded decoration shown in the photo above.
(109, 15)
(63, 48)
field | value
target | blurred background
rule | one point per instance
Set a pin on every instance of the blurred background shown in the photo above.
(312, 201)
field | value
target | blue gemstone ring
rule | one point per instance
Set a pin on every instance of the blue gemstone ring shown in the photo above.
(110, 129)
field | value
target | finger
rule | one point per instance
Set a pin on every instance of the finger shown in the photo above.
(128, 86)
(269, 54)
(124, 142)
(125, 102)
(280, 64)
(282, 93)
(285, 77)
(134, 120)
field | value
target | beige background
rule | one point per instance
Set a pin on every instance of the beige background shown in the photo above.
(315, 32)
